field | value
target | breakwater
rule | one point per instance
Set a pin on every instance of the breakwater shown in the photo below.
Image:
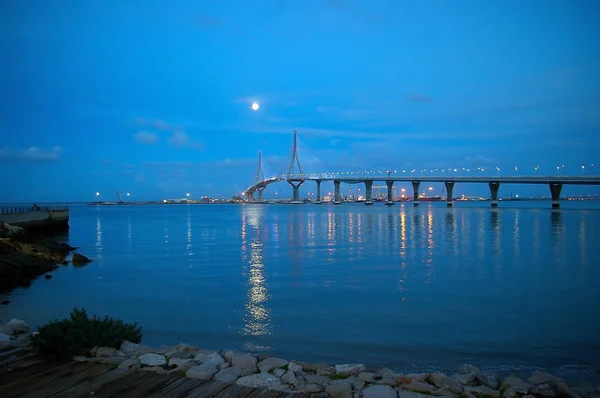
(35, 217)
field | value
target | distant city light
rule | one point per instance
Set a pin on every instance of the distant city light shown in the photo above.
(187, 194)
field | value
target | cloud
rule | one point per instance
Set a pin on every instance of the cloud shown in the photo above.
(418, 98)
(31, 155)
(146, 137)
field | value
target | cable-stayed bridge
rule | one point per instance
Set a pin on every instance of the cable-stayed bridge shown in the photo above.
(296, 177)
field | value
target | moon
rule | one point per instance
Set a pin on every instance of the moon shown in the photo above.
(255, 106)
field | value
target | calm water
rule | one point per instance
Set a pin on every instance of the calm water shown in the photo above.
(397, 286)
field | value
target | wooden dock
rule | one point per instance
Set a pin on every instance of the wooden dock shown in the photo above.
(24, 373)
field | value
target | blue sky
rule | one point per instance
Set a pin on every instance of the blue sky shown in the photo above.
(154, 97)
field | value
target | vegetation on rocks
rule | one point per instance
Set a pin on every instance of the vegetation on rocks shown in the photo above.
(78, 334)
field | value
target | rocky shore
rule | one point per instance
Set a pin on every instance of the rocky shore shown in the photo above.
(315, 379)
(25, 255)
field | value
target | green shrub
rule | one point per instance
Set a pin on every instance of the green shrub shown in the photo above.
(78, 335)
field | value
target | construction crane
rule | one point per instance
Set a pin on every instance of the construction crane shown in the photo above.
(119, 200)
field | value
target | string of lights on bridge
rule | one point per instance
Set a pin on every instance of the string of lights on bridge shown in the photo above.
(536, 170)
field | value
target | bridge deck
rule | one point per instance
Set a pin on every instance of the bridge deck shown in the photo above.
(24, 373)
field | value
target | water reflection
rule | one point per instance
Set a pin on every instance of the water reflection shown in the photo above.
(129, 238)
(583, 241)
(98, 237)
(495, 228)
(557, 230)
(257, 319)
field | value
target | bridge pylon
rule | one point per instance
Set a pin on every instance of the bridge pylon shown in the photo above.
(260, 175)
(298, 178)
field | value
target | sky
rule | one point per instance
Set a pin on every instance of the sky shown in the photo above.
(154, 97)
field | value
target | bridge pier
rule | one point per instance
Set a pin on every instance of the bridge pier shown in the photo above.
(250, 195)
(389, 184)
(296, 191)
(415, 185)
(260, 194)
(318, 192)
(369, 192)
(494, 187)
(449, 188)
(555, 189)
(338, 197)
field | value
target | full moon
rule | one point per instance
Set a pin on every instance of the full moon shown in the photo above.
(255, 106)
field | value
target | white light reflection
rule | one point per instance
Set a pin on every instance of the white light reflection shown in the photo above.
(98, 237)
(129, 238)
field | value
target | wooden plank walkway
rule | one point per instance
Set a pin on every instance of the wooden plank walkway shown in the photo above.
(24, 373)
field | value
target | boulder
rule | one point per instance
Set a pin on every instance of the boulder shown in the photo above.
(420, 377)
(358, 385)
(105, 352)
(213, 358)
(151, 359)
(128, 347)
(243, 361)
(387, 381)
(265, 369)
(119, 353)
(180, 370)
(316, 379)
(349, 369)
(294, 367)
(512, 381)
(229, 354)
(290, 378)
(339, 389)
(310, 388)
(410, 394)
(80, 259)
(543, 378)
(186, 347)
(515, 392)
(327, 371)
(441, 380)
(543, 391)
(419, 387)
(16, 326)
(174, 362)
(482, 391)
(205, 371)
(224, 366)
(279, 372)
(130, 364)
(260, 380)
(367, 377)
(467, 368)
(228, 375)
(313, 367)
(379, 391)
(273, 362)
(183, 354)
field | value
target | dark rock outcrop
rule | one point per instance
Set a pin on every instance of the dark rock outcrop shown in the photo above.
(80, 259)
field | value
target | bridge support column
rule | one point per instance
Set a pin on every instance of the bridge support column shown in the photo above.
(494, 187)
(449, 188)
(260, 194)
(318, 192)
(250, 196)
(296, 191)
(389, 184)
(415, 185)
(369, 192)
(555, 189)
(338, 197)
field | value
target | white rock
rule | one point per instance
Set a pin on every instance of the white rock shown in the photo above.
(129, 364)
(205, 371)
(416, 386)
(265, 369)
(16, 326)
(224, 366)
(228, 355)
(515, 392)
(128, 347)
(339, 389)
(105, 352)
(441, 380)
(173, 362)
(260, 380)
(367, 377)
(379, 392)
(273, 362)
(151, 359)
(387, 381)
(213, 358)
(249, 371)
(290, 378)
(482, 391)
(228, 375)
(349, 369)
(243, 361)
(294, 367)
(279, 372)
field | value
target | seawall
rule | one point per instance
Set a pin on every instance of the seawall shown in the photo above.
(36, 218)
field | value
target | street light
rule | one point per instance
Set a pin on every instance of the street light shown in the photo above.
(97, 193)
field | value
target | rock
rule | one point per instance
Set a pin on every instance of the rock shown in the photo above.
(387, 381)
(273, 362)
(174, 362)
(228, 375)
(94, 350)
(467, 368)
(224, 366)
(290, 378)
(543, 391)
(205, 371)
(182, 369)
(316, 379)
(228, 355)
(130, 364)
(487, 379)
(339, 389)
(213, 358)
(183, 354)
(441, 380)
(4, 337)
(312, 367)
(358, 385)
(388, 372)
(419, 387)
(563, 390)
(119, 353)
(185, 347)
(328, 371)
(243, 361)
(349, 369)
(80, 259)
(278, 372)
(16, 326)
(512, 381)
(410, 394)
(155, 369)
(379, 392)
(367, 377)
(265, 369)
(260, 380)
(310, 388)
(250, 371)
(128, 347)
(515, 392)
(105, 352)
(420, 377)
(48, 276)
(543, 378)
(482, 391)
(294, 367)
(401, 379)
(153, 360)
